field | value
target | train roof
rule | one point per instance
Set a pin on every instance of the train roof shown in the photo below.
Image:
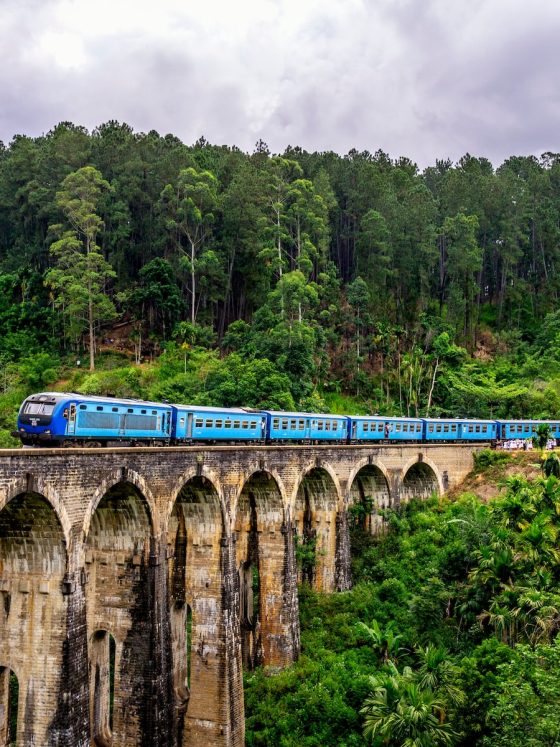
(458, 420)
(206, 408)
(58, 396)
(529, 420)
(285, 414)
(386, 418)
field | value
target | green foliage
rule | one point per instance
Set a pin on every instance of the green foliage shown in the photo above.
(488, 458)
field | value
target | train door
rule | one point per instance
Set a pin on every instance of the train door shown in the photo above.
(354, 430)
(167, 426)
(71, 427)
(189, 425)
(122, 425)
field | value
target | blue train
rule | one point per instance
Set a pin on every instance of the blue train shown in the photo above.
(68, 419)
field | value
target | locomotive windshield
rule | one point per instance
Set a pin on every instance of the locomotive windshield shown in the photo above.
(38, 408)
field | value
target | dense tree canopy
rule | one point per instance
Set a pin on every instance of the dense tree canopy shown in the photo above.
(415, 292)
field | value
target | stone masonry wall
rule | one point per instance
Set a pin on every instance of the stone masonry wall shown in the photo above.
(130, 576)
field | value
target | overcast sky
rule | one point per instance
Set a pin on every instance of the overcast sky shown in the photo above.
(423, 78)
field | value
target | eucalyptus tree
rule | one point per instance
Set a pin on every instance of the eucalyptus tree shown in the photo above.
(80, 274)
(189, 207)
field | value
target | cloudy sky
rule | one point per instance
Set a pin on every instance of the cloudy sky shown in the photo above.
(423, 78)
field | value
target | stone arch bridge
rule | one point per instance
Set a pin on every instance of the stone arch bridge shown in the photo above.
(137, 584)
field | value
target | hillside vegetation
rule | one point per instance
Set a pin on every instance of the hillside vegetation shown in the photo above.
(449, 636)
(303, 280)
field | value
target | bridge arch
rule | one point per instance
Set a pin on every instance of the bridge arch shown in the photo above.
(122, 567)
(370, 481)
(122, 477)
(317, 500)
(263, 545)
(33, 567)
(194, 535)
(420, 478)
(32, 484)
(209, 477)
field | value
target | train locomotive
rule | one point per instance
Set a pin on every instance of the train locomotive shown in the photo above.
(55, 419)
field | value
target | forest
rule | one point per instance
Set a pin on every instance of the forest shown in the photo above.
(314, 281)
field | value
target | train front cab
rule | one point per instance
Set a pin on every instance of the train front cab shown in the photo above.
(41, 419)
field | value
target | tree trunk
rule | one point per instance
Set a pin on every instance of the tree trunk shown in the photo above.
(193, 285)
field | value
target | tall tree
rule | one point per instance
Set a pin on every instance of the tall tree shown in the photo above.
(189, 206)
(81, 272)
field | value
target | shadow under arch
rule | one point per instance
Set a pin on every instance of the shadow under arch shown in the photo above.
(122, 567)
(266, 570)
(317, 501)
(367, 494)
(33, 620)
(122, 477)
(36, 485)
(195, 530)
(421, 479)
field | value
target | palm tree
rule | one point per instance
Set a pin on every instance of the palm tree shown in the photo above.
(438, 674)
(399, 712)
(384, 642)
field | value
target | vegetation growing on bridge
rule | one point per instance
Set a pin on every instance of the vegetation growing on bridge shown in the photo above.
(449, 635)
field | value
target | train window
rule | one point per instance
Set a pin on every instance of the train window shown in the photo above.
(218, 424)
(237, 424)
(438, 428)
(83, 407)
(484, 428)
(284, 424)
(431, 428)
(477, 428)
(293, 424)
(181, 422)
(253, 423)
(275, 422)
(405, 427)
(245, 424)
(199, 423)
(366, 426)
(154, 412)
(130, 409)
(301, 425)
(446, 429)
(144, 412)
(115, 409)
(398, 427)
(210, 423)
(320, 425)
(227, 424)
(99, 409)
(418, 428)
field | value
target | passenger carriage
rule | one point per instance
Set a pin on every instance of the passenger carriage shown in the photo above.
(378, 428)
(457, 429)
(525, 429)
(213, 424)
(305, 426)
